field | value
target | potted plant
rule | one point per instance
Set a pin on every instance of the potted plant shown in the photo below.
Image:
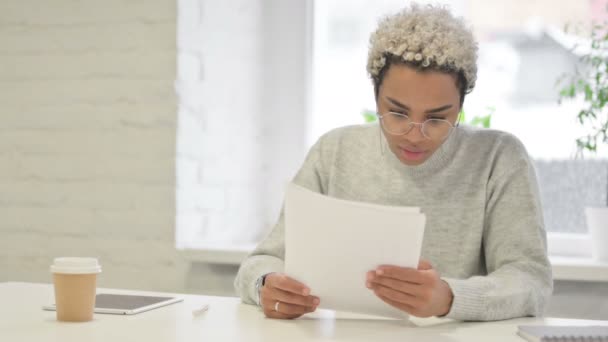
(590, 82)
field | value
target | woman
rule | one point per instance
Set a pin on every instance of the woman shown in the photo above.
(484, 250)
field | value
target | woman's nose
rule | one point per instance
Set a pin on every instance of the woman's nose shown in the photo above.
(415, 134)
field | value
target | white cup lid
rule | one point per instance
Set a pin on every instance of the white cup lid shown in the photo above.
(75, 265)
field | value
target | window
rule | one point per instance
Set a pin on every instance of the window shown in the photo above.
(232, 131)
(523, 51)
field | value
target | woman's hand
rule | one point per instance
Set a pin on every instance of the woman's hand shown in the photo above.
(293, 297)
(419, 292)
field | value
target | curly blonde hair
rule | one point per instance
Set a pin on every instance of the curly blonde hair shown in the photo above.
(427, 38)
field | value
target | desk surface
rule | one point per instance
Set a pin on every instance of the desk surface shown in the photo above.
(22, 319)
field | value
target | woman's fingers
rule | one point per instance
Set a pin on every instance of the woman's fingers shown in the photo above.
(275, 308)
(291, 309)
(401, 306)
(281, 315)
(398, 296)
(420, 292)
(286, 283)
(424, 265)
(293, 297)
(398, 285)
(411, 275)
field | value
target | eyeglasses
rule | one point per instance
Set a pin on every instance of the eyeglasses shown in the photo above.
(401, 124)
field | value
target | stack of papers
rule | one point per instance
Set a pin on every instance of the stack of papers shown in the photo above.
(330, 245)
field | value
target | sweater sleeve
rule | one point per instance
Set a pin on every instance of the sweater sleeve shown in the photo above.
(519, 278)
(269, 255)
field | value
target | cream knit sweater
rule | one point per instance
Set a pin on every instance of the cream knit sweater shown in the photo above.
(484, 233)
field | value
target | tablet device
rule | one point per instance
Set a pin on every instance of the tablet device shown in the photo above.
(118, 304)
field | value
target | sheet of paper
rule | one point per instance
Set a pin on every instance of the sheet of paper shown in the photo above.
(330, 244)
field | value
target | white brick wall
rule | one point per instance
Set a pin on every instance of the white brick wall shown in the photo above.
(242, 84)
(87, 139)
(220, 58)
(88, 125)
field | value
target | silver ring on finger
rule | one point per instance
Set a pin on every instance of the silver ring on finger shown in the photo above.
(276, 306)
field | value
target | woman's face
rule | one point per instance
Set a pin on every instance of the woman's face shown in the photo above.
(421, 95)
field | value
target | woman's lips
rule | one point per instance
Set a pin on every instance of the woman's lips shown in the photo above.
(412, 154)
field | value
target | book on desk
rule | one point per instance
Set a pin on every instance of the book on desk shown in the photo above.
(547, 333)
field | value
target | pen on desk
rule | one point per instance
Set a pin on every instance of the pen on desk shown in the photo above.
(200, 310)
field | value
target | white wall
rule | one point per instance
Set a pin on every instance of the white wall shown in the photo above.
(242, 85)
(87, 139)
(88, 132)
(219, 145)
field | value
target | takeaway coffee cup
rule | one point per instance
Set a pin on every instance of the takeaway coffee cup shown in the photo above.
(75, 284)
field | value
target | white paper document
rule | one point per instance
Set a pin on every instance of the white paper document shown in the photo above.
(330, 244)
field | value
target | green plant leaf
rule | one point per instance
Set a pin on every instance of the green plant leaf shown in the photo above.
(588, 92)
(462, 116)
(589, 79)
(486, 121)
(481, 121)
(369, 116)
(572, 91)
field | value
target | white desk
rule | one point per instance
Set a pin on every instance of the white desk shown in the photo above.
(22, 319)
